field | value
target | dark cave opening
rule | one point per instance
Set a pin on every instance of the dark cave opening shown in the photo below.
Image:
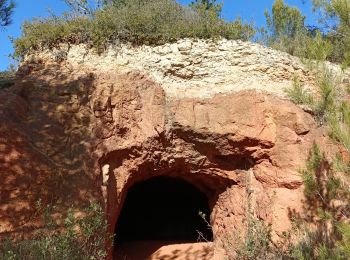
(164, 208)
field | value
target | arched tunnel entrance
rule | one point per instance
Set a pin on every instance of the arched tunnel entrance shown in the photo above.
(163, 209)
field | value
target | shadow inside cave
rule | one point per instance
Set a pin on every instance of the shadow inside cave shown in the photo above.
(159, 212)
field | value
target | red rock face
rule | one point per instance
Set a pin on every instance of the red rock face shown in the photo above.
(71, 137)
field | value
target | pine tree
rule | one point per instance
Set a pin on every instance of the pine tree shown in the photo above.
(285, 20)
(207, 6)
(286, 30)
(207, 3)
(86, 7)
(6, 11)
(335, 19)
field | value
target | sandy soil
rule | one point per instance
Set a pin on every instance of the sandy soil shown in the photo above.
(163, 250)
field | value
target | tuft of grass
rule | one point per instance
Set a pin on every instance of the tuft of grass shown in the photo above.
(344, 244)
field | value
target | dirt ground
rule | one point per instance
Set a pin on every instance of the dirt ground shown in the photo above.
(163, 250)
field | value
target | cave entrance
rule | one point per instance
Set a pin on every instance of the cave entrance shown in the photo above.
(164, 209)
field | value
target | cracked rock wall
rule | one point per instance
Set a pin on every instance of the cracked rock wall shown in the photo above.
(193, 68)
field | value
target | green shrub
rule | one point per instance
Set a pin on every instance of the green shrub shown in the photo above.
(324, 103)
(329, 237)
(298, 94)
(344, 243)
(340, 125)
(135, 21)
(317, 47)
(83, 238)
(334, 17)
(326, 191)
(7, 79)
(41, 33)
(286, 31)
(257, 243)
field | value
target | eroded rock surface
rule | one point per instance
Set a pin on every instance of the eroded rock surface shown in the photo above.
(193, 68)
(70, 134)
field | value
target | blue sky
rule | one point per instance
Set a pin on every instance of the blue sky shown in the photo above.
(248, 10)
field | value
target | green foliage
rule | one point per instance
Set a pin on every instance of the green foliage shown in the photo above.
(340, 125)
(298, 94)
(324, 103)
(333, 187)
(83, 238)
(286, 30)
(327, 193)
(329, 239)
(207, 6)
(135, 21)
(41, 33)
(313, 246)
(307, 250)
(94, 231)
(84, 7)
(258, 241)
(335, 18)
(89, 7)
(344, 243)
(257, 244)
(7, 78)
(6, 11)
(312, 187)
(316, 158)
(321, 183)
(284, 20)
(317, 47)
(341, 165)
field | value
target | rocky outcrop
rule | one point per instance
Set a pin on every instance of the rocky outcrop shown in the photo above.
(192, 68)
(83, 129)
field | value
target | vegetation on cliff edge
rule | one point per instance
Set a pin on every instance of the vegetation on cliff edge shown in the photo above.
(328, 39)
(135, 21)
